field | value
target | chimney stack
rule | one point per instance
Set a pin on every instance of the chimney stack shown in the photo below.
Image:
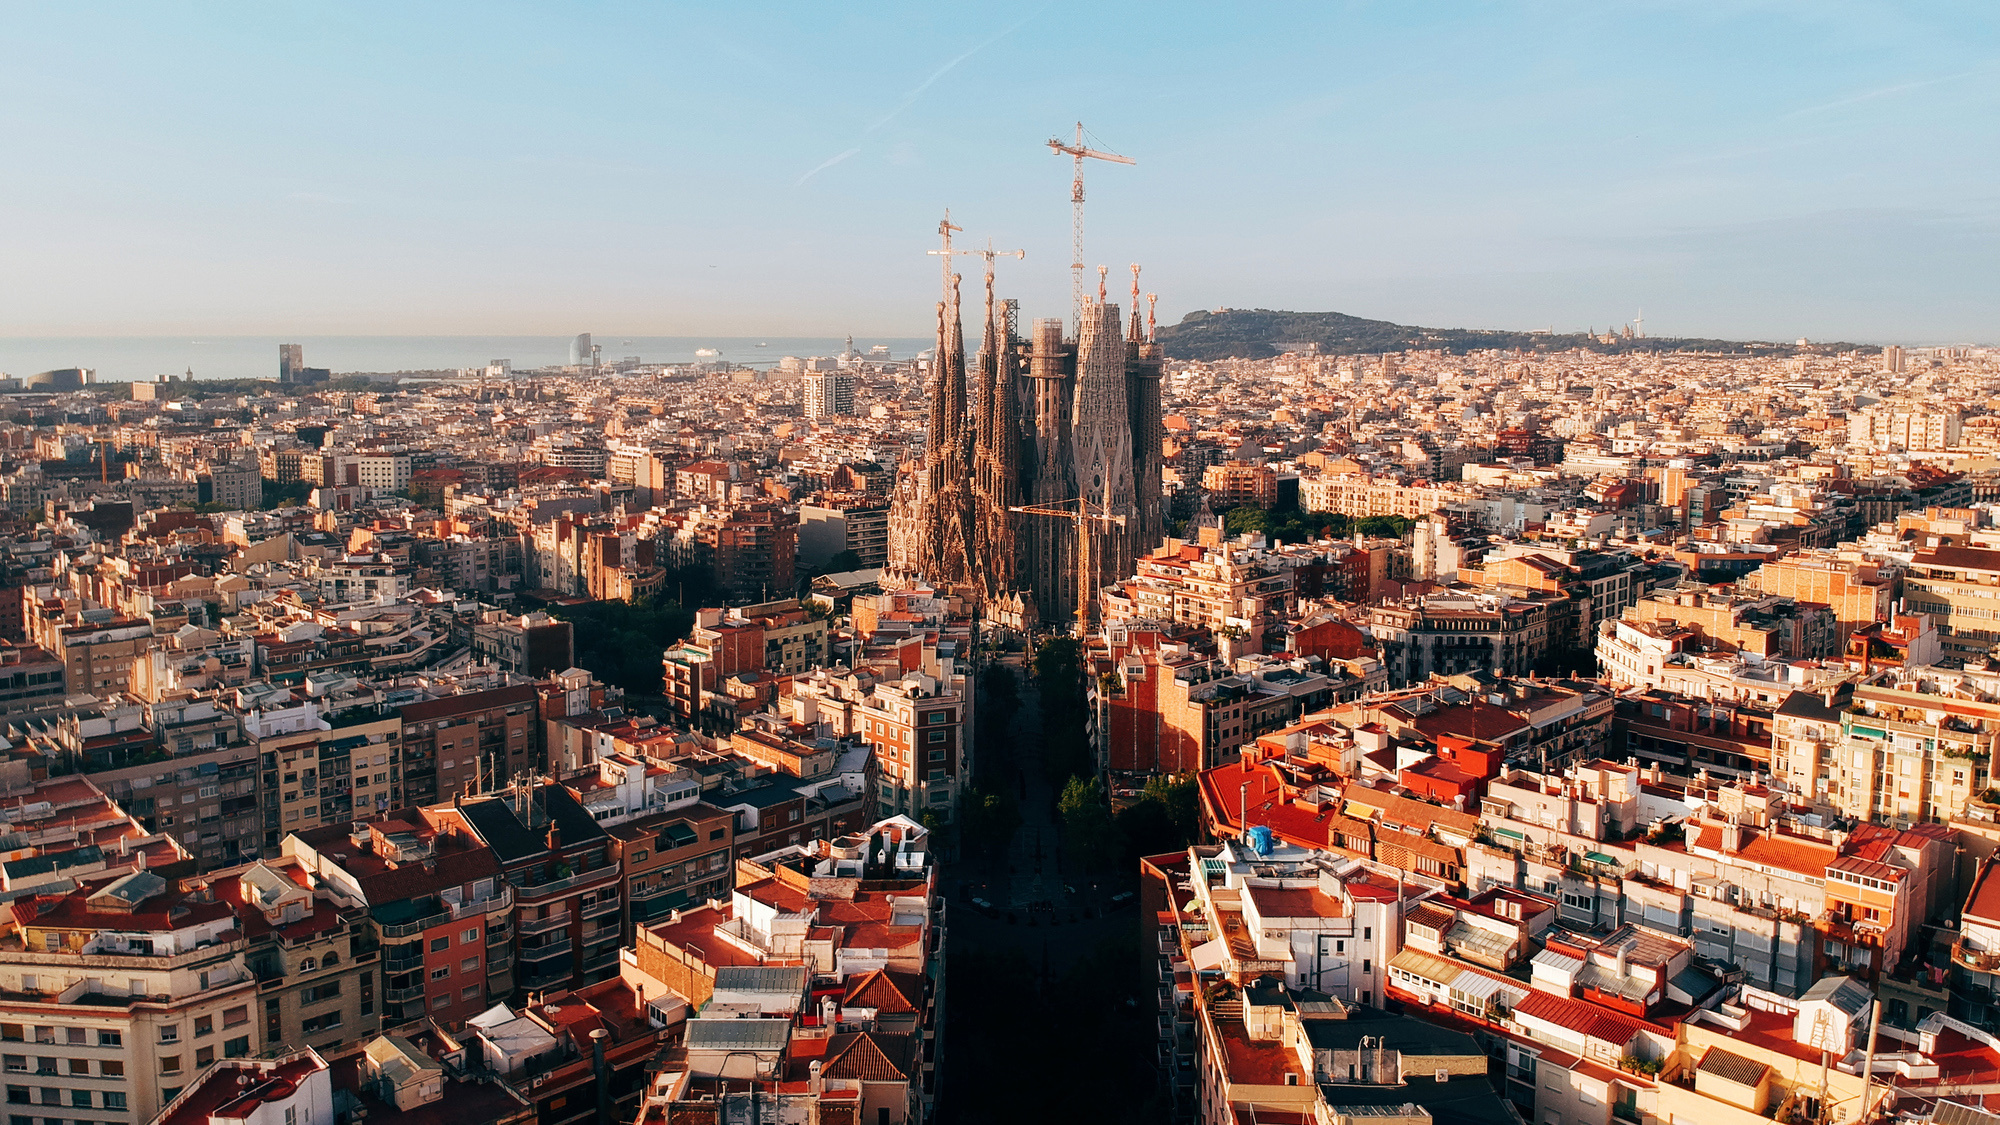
(602, 1071)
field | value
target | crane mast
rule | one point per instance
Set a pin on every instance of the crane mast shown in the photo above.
(1077, 152)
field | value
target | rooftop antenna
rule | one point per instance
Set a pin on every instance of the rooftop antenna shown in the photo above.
(1077, 152)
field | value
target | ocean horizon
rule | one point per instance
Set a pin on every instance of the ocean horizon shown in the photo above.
(126, 359)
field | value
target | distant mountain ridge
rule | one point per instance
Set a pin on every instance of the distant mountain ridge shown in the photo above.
(1262, 333)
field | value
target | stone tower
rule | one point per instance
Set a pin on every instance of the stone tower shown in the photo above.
(1049, 542)
(948, 545)
(1101, 445)
(996, 458)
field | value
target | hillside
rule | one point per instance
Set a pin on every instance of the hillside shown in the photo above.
(1261, 333)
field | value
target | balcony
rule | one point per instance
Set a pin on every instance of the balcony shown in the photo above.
(556, 921)
(1975, 959)
(601, 934)
(498, 935)
(415, 927)
(541, 953)
(601, 960)
(531, 887)
(601, 907)
(403, 995)
(491, 904)
(497, 963)
(403, 962)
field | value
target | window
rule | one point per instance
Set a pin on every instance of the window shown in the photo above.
(74, 1036)
(1367, 933)
(639, 856)
(51, 1095)
(439, 945)
(80, 1098)
(111, 1068)
(469, 965)
(115, 1099)
(79, 1066)
(313, 995)
(470, 992)
(715, 833)
(170, 1064)
(170, 1033)
(15, 1064)
(18, 1095)
(110, 1038)
(204, 1025)
(469, 936)
(203, 1056)
(441, 972)
(232, 1017)
(237, 1048)
(935, 736)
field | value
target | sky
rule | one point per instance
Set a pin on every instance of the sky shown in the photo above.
(1744, 169)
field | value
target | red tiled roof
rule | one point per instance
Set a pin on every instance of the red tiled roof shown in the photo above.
(869, 1056)
(1581, 1016)
(884, 991)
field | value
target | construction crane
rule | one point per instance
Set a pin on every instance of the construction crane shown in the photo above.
(989, 253)
(1077, 151)
(1079, 511)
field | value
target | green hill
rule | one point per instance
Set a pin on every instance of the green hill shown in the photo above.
(1262, 333)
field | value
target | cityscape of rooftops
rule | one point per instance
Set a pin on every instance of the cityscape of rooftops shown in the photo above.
(890, 565)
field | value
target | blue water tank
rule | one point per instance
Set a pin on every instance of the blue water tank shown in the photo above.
(1261, 840)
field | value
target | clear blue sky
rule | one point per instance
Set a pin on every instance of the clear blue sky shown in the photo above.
(1819, 167)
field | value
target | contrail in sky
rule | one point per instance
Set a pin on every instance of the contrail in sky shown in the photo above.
(910, 98)
(825, 164)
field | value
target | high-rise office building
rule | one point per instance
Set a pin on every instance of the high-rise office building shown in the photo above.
(580, 351)
(291, 361)
(829, 394)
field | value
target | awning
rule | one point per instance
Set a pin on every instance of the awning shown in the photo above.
(1600, 857)
(1209, 955)
(1359, 811)
(1508, 834)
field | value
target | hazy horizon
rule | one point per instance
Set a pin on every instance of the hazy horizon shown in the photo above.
(1762, 171)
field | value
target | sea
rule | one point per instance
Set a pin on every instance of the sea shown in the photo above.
(124, 359)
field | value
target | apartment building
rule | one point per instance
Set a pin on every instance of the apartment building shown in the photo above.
(438, 908)
(1859, 591)
(557, 861)
(469, 742)
(315, 961)
(1959, 587)
(1907, 746)
(919, 726)
(1900, 426)
(119, 993)
(1448, 636)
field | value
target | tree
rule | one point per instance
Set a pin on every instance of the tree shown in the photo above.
(1385, 527)
(843, 561)
(1242, 521)
(1086, 821)
(623, 641)
(1178, 799)
(987, 823)
(1065, 711)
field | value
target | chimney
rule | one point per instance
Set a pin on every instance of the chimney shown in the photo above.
(603, 1073)
(555, 837)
